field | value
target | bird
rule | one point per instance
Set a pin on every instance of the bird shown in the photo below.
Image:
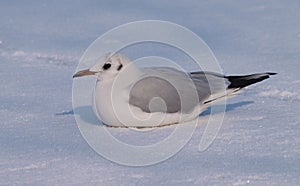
(126, 95)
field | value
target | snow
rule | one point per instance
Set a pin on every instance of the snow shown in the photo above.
(40, 46)
(280, 94)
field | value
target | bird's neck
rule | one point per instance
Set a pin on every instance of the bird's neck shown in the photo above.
(131, 73)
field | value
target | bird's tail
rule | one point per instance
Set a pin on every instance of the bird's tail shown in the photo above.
(236, 83)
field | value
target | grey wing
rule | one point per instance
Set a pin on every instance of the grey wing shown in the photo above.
(220, 85)
(164, 89)
(208, 84)
(153, 94)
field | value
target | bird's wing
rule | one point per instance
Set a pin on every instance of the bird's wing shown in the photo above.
(178, 90)
(221, 85)
(209, 85)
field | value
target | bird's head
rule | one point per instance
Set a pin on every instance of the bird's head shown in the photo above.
(106, 68)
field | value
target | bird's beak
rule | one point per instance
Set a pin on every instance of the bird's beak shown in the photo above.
(86, 72)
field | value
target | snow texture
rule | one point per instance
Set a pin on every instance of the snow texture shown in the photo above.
(40, 46)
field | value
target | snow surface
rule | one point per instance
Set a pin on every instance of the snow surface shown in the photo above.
(40, 46)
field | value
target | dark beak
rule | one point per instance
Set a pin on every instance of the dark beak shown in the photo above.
(81, 73)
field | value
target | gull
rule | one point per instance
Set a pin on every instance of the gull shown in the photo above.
(126, 95)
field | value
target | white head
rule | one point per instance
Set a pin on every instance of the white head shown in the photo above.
(106, 68)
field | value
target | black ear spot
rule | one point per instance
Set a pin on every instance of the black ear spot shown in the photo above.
(106, 66)
(119, 67)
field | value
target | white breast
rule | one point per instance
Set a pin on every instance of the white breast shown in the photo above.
(102, 103)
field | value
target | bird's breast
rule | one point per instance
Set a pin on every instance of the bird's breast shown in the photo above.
(104, 106)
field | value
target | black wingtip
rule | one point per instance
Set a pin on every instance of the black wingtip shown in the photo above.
(271, 73)
(243, 81)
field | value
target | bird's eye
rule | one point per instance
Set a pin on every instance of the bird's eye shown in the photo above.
(106, 66)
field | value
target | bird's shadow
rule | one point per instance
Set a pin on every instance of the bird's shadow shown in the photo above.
(86, 113)
(71, 112)
(229, 107)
